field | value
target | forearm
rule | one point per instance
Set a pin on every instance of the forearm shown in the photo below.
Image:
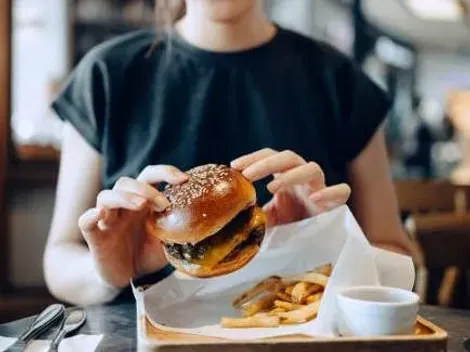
(72, 276)
(373, 199)
(384, 229)
(400, 248)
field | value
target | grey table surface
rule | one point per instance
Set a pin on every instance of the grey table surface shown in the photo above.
(118, 324)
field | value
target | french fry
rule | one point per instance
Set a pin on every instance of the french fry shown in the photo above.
(286, 305)
(289, 289)
(284, 300)
(313, 289)
(326, 269)
(283, 296)
(278, 287)
(250, 322)
(299, 292)
(262, 314)
(313, 298)
(275, 311)
(255, 291)
(263, 303)
(301, 315)
(312, 278)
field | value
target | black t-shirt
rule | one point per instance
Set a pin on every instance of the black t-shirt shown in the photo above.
(184, 106)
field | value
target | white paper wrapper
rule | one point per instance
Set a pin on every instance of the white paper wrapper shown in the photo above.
(195, 306)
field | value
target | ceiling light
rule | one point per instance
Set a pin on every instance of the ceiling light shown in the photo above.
(436, 10)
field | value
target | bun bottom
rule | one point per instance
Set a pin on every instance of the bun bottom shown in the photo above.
(199, 271)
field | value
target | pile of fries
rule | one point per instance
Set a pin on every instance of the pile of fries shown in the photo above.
(284, 300)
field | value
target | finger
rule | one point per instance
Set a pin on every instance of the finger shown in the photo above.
(270, 212)
(120, 199)
(273, 164)
(332, 197)
(310, 173)
(110, 218)
(244, 161)
(162, 173)
(89, 220)
(143, 190)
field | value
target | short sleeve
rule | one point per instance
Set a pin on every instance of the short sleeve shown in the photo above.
(83, 100)
(361, 107)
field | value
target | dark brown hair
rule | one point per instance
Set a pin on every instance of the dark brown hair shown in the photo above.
(167, 13)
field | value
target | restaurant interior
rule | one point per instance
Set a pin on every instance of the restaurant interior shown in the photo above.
(416, 50)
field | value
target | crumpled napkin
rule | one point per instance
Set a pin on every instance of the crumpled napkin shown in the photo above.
(77, 343)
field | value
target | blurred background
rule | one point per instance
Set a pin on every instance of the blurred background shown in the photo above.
(417, 50)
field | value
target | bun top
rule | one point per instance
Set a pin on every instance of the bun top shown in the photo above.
(203, 205)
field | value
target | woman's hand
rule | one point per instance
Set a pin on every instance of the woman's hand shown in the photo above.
(298, 186)
(114, 229)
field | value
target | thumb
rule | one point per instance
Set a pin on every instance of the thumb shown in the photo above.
(270, 211)
(88, 221)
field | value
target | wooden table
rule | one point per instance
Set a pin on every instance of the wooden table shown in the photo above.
(117, 323)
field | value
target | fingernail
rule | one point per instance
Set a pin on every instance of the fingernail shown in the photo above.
(183, 177)
(180, 176)
(159, 207)
(160, 203)
(248, 174)
(237, 165)
(160, 199)
(274, 186)
(100, 211)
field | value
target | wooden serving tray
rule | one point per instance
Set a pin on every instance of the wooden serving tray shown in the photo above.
(427, 338)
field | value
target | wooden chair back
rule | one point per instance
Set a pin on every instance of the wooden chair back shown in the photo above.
(439, 224)
(444, 238)
(416, 196)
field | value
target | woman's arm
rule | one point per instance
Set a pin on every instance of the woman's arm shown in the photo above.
(69, 268)
(373, 198)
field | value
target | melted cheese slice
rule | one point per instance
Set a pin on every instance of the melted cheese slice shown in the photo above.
(217, 253)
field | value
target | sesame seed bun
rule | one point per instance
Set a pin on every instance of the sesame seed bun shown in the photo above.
(202, 206)
(213, 226)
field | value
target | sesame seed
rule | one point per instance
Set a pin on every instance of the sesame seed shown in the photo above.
(201, 180)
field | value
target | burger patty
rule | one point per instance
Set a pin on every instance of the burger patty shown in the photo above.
(188, 252)
(256, 237)
(197, 251)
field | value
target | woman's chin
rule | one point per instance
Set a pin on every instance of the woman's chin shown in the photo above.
(227, 11)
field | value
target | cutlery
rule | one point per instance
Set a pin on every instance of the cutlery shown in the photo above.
(75, 319)
(42, 322)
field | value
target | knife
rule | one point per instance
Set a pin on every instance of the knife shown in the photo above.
(43, 322)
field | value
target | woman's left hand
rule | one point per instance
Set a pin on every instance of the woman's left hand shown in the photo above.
(298, 186)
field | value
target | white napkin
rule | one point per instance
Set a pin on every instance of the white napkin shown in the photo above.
(76, 343)
(195, 305)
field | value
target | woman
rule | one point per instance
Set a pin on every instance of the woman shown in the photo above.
(224, 86)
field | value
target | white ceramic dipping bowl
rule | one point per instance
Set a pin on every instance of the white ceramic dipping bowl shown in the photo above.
(376, 311)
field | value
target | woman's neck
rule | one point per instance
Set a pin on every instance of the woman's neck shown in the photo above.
(251, 30)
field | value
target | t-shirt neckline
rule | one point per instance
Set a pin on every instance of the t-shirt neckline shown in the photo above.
(260, 51)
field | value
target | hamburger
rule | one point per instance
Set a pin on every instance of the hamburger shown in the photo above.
(213, 226)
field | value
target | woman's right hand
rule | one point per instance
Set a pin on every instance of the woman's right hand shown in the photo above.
(114, 229)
